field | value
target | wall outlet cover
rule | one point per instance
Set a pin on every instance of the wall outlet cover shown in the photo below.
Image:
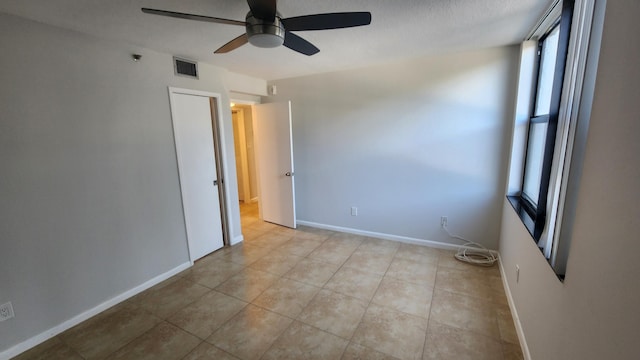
(6, 311)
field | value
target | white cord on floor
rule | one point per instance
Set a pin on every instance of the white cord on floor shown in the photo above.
(472, 252)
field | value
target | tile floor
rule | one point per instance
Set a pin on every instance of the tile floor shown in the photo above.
(305, 294)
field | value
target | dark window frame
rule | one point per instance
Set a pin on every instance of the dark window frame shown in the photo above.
(534, 216)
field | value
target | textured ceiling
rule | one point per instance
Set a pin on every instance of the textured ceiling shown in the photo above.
(399, 29)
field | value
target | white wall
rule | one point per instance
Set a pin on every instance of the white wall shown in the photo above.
(90, 203)
(406, 143)
(594, 313)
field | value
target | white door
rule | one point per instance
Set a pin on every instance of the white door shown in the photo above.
(274, 154)
(198, 180)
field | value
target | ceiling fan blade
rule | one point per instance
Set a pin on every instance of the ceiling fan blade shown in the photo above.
(327, 21)
(296, 43)
(192, 17)
(263, 9)
(233, 44)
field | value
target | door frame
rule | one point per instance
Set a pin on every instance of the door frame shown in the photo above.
(239, 125)
(253, 120)
(217, 126)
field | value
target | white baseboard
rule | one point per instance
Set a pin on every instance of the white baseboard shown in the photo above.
(404, 239)
(48, 334)
(514, 313)
(237, 239)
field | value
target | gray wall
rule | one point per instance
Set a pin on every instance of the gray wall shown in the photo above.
(406, 143)
(91, 203)
(594, 313)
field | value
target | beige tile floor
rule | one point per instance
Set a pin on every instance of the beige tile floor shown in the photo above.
(305, 294)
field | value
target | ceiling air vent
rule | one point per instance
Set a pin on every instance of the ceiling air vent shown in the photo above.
(184, 67)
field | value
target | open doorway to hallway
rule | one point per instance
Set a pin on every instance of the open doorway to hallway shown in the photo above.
(243, 137)
(264, 160)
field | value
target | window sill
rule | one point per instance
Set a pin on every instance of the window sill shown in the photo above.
(529, 223)
(527, 220)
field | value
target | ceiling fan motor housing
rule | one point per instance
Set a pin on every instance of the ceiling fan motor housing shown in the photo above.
(265, 34)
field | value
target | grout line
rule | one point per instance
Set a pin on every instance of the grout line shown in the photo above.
(294, 319)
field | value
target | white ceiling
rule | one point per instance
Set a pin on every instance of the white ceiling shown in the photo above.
(399, 29)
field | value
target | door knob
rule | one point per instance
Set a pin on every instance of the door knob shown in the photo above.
(288, 173)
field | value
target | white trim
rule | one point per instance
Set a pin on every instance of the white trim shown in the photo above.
(184, 91)
(239, 125)
(48, 334)
(236, 240)
(398, 238)
(242, 102)
(514, 313)
(245, 98)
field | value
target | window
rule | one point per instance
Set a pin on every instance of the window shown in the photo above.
(539, 123)
(555, 89)
(551, 60)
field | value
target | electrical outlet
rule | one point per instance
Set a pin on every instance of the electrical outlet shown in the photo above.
(354, 211)
(443, 221)
(6, 311)
(517, 273)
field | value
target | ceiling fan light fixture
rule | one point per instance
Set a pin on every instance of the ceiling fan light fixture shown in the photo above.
(266, 40)
(266, 29)
(265, 34)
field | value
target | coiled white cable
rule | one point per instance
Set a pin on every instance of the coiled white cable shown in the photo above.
(472, 252)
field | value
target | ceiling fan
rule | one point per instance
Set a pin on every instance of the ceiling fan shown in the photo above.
(266, 28)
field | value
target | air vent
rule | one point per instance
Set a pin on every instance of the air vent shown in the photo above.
(184, 67)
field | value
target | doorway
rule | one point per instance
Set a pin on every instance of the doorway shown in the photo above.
(264, 165)
(243, 138)
(245, 157)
